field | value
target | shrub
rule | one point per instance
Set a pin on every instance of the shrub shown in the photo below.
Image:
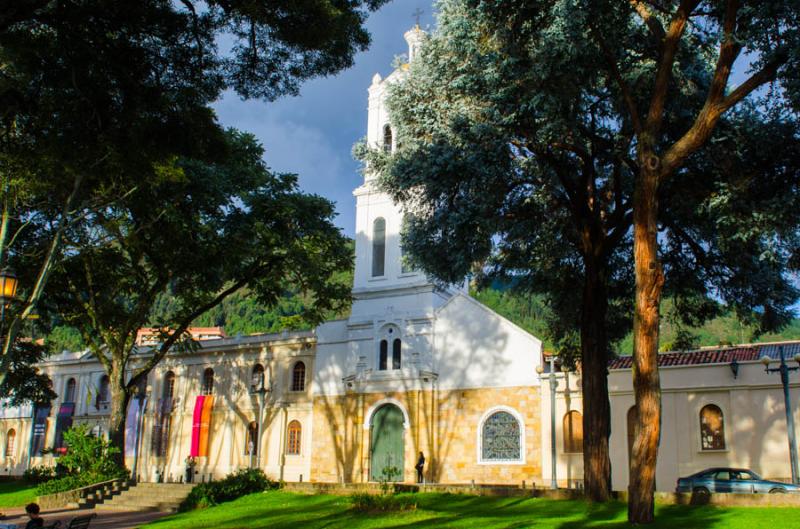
(231, 487)
(376, 503)
(39, 474)
(87, 461)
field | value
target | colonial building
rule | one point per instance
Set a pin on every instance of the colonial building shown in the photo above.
(417, 368)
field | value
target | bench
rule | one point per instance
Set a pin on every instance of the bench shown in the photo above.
(79, 522)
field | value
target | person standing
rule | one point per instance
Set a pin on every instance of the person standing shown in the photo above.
(420, 466)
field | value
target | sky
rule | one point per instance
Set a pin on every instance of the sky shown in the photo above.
(313, 134)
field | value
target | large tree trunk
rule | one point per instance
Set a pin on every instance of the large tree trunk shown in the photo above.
(118, 413)
(594, 385)
(646, 386)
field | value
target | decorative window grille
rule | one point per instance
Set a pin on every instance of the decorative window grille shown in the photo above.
(299, 377)
(293, 438)
(500, 438)
(712, 428)
(573, 432)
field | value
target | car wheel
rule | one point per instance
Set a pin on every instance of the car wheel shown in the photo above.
(778, 491)
(701, 492)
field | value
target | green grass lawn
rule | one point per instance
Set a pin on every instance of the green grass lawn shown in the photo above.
(278, 510)
(16, 493)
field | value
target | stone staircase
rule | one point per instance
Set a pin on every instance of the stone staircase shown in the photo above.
(165, 497)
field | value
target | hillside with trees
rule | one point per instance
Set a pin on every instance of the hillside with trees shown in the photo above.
(242, 314)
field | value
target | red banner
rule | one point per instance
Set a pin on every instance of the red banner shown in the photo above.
(194, 451)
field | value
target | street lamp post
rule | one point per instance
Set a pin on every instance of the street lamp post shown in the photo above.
(261, 392)
(784, 370)
(553, 381)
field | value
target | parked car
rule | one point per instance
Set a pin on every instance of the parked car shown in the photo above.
(735, 480)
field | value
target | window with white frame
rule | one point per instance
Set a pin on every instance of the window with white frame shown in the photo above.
(501, 438)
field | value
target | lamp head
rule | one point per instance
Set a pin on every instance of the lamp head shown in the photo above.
(797, 358)
(8, 285)
(539, 369)
(766, 360)
(564, 368)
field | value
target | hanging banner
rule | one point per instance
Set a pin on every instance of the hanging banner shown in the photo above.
(63, 423)
(40, 415)
(197, 419)
(132, 425)
(205, 422)
(161, 424)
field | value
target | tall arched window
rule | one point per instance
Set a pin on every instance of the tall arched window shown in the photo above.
(397, 347)
(378, 247)
(257, 378)
(712, 428)
(169, 385)
(501, 438)
(11, 439)
(632, 420)
(102, 393)
(69, 392)
(299, 377)
(383, 356)
(293, 436)
(573, 432)
(251, 445)
(208, 382)
(387, 138)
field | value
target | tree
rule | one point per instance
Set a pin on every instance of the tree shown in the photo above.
(93, 95)
(518, 158)
(202, 233)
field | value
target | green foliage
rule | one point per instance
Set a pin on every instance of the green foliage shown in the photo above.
(233, 486)
(39, 474)
(88, 460)
(24, 382)
(64, 338)
(383, 503)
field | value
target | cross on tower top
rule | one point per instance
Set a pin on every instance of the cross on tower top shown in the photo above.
(417, 14)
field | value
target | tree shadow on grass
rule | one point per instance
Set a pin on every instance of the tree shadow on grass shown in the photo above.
(667, 516)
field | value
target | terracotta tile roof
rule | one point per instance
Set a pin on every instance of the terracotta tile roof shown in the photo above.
(722, 355)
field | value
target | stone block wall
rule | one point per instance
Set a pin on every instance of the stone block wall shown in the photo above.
(444, 425)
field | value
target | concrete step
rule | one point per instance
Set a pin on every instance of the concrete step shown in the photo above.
(161, 507)
(165, 497)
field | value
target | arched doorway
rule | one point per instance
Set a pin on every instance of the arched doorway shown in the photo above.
(387, 447)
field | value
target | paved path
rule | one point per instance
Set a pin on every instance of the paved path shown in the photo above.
(104, 519)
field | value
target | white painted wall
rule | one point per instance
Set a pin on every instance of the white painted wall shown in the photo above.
(475, 348)
(752, 405)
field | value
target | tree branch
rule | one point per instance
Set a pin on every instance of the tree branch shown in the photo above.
(653, 24)
(669, 48)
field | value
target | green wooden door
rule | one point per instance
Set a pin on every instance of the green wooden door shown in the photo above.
(386, 453)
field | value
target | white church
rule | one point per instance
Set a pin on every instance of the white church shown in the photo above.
(416, 371)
